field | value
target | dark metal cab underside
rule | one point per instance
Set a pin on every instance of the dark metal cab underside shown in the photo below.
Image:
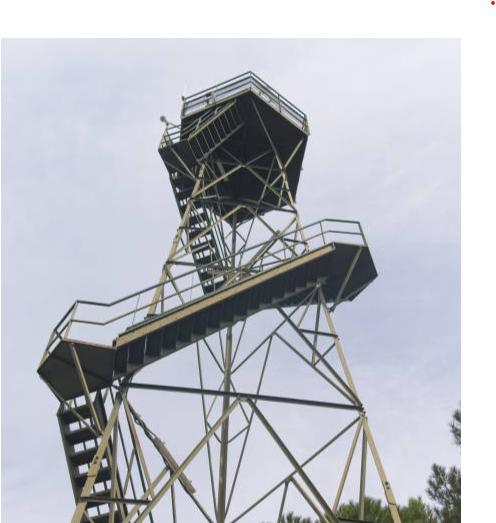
(256, 122)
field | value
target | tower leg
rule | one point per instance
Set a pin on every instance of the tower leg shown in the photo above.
(361, 505)
(329, 515)
(388, 491)
(224, 438)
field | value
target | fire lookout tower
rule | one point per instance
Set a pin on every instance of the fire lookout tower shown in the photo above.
(240, 253)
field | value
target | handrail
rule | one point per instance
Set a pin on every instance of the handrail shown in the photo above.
(237, 80)
(236, 85)
(316, 233)
(221, 93)
(181, 131)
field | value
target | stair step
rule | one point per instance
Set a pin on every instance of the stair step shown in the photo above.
(204, 275)
(103, 475)
(214, 314)
(185, 193)
(137, 352)
(68, 416)
(205, 260)
(185, 330)
(121, 359)
(80, 435)
(241, 308)
(313, 271)
(83, 457)
(196, 233)
(169, 337)
(278, 287)
(154, 344)
(266, 295)
(228, 310)
(289, 285)
(210, 287)
(201, 247)
(254, 299)
(200, 324)
(182, 182)
(104, 494)
(198, 218)
(103, 518)
(301, 280)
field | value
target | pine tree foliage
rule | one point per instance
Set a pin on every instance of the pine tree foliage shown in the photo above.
(445, 486)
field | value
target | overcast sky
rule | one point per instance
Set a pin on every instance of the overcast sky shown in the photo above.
(88, 212)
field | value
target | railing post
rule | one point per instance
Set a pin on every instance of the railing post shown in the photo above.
(363, 235)
(69, 323)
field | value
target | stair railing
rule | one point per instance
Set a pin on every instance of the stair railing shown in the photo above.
(317, 234)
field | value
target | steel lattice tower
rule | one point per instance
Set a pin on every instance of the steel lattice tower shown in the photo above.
(234, 164)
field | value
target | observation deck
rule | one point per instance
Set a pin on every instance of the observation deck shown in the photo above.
(243, 127)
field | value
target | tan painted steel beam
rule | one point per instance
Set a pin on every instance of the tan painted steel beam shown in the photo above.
(169, 459)
(113, 475)
(138, 445)
(181, 468)
(86, 391)
(339, 348)
(388, 490)
(289, 476)
(363, 470)
(303, 475)
(347, 465)
(311, 504)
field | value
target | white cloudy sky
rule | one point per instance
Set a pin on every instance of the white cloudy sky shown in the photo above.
(87, 212)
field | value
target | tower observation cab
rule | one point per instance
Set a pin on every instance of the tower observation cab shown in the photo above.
(229, 126)
(234, 164)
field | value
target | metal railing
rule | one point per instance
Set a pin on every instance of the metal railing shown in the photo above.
(268, 254)
(174, 133)
(245, 82)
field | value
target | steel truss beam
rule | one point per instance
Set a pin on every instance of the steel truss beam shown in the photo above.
(152, 489)
(245, 395)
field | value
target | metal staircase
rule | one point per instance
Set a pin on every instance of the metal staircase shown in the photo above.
(342, 270)
(151, 340)
(212, 133)
(203, 136)
(204, 249)
(80, 441)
